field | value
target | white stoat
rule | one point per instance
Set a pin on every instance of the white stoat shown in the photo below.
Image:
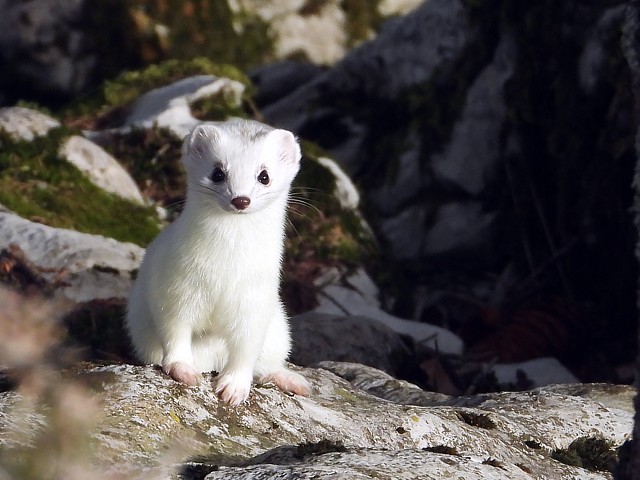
(207, 293)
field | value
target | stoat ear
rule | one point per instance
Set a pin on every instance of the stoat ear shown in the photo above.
(199, 142)
(286, 147)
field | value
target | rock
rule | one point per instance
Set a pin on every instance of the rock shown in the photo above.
(459, 229)
(358, 295)
(168, 106)
(100, 167)
(383, 385)
(321, 336)
(345, 191)
(90, 266)
(25, 123)
(471, 159)
(42, 47)
(438, 33)
(400, 189)
(322, 32)
(595, 53)
(277, 80)
(411, 192)
(540, 372)
(363, 464)
(320, 36)
(150, 422)
(397, 7)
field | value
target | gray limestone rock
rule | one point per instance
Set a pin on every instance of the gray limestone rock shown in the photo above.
(43, 44)
(91, 266)
(101, 168)
(321, 336)
(24, 123)
(169, 106)
(151, 426)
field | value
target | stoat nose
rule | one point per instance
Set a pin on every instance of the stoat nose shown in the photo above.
(241, 202)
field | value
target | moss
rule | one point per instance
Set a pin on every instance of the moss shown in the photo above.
(312, 7)
(31, 105)
(152, 157)
(592, 453)
(337, 235)
(346, 395)
(210, 28)
(119, 93)
(38, 185)
(320, 233)
(218, 107)
(362, 19)
(130, 85)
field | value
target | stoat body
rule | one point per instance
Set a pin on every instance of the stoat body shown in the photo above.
(206, 297)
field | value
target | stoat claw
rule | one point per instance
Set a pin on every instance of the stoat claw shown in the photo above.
(183, 373)
(233, 388)
(289, 382)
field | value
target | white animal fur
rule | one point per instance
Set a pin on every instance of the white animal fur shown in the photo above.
(207, 293)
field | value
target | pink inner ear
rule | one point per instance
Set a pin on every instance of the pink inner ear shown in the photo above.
(202, 137)
(287, 146)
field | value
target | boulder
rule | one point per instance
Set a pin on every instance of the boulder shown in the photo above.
(24, 123)
(357, 295)
(42, 48)
(100, 167)
(169, 106)
(85, 267)
(145, 423)
(320, 336)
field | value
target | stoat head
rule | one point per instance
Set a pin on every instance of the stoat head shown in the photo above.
(240, 166)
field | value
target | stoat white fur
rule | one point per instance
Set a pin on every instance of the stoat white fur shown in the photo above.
(206, 297)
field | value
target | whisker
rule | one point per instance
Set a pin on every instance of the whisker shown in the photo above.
(176, 203)
(295, 230)
(310, 192)
(305, 203)
(293, 203)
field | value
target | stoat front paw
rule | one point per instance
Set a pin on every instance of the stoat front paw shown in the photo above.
(289, 381)
(183, 373)
(233, 387)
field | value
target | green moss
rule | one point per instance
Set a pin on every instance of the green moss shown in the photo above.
(320, 233)
(130, 85)
(363, 18)
(210, 28)
(592, 453)
(37, 184)
(122, 91)
(218, 107)
(320, 227)
(152, 157)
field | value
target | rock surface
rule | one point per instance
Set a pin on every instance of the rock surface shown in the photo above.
(339, 430)
(169, 106)
(89, 267)
(358, 295)
(100, 167)
(25, 123)
(443, 120)
(347, 338)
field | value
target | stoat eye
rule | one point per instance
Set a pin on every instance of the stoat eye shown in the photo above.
(218, 175)
(263, 177)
